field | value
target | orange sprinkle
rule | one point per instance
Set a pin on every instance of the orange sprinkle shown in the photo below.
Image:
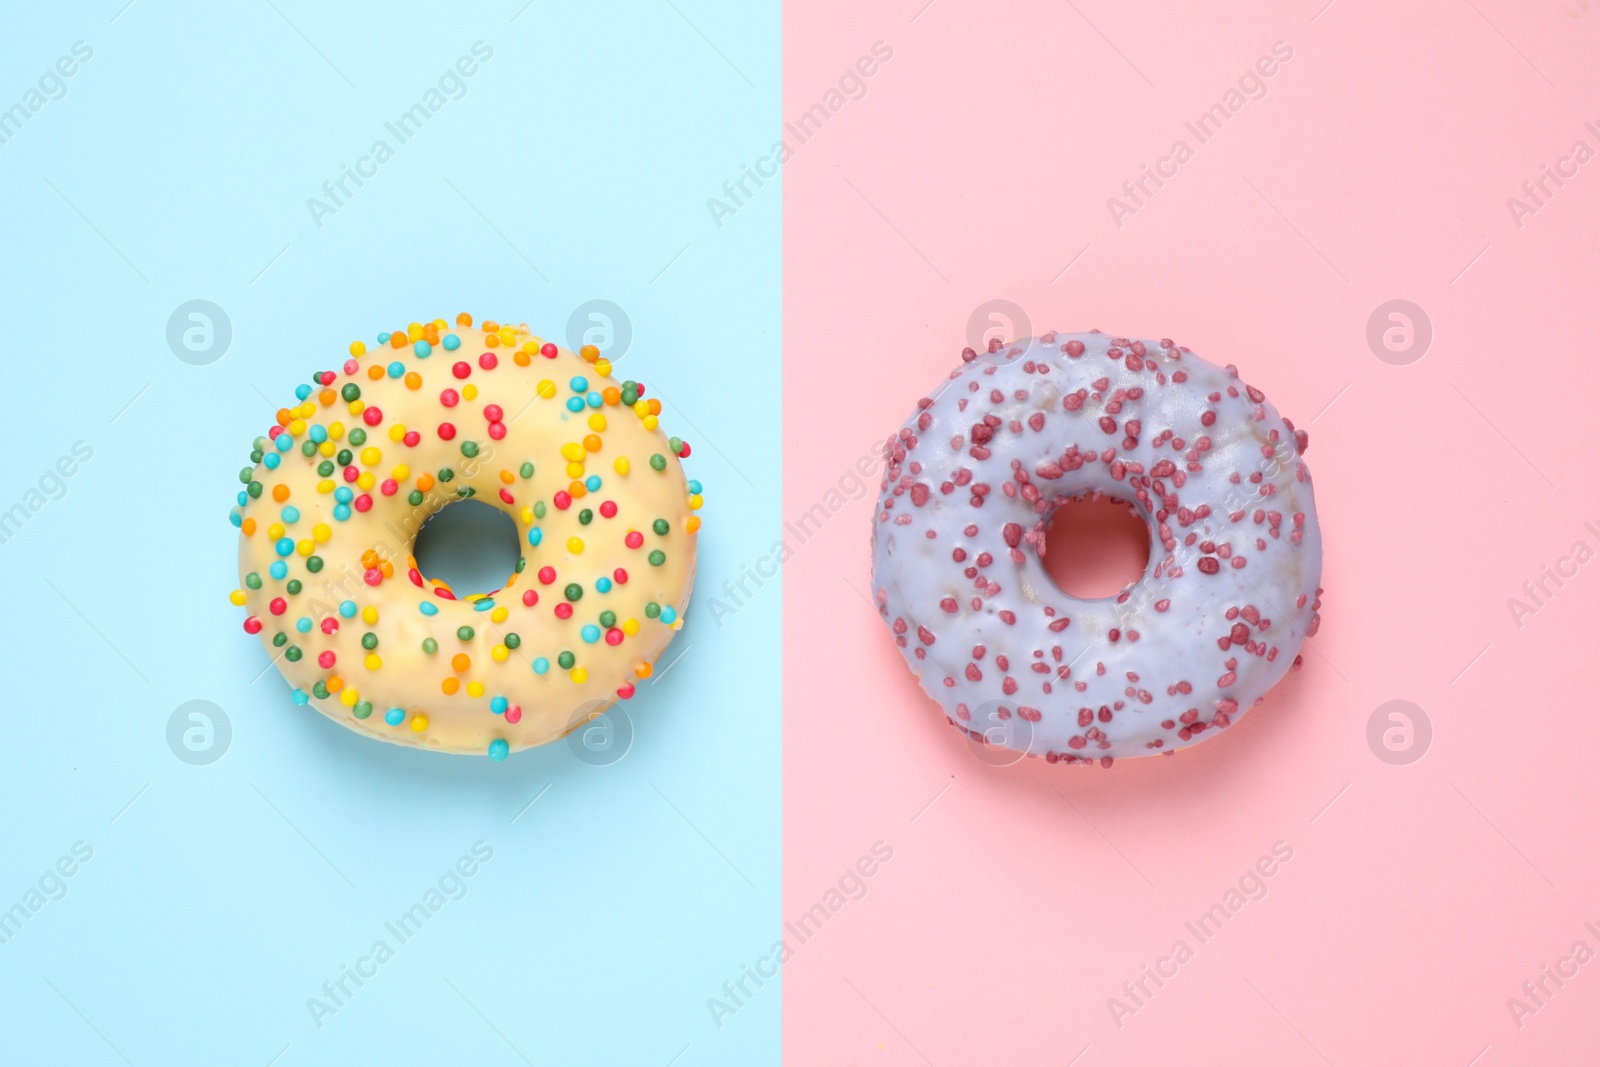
(692, 524)
(612, 395)
(285, 416)
(413, 380)
(644, 670)
(522, 358)
(577, 489)
(369, 559)
(592, 442)
(450, 685)
(327, 397)
(424, 481)
(460, 661)
(490, 326)
(505, 476)
(589, 353)
(492, 340)
(463, 319)
(280, 492)
(248, 527)
(655, 406)
(398, 339)
(387, 568)
(375, 372)
(334, 683)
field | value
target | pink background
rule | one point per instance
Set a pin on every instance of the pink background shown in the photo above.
(1019, 899)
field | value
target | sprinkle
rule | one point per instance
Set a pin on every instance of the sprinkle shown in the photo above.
(499, 749)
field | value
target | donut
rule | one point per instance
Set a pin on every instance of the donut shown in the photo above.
(970, 483)
(435, 413)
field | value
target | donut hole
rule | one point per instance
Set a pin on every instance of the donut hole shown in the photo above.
(469, 544)
(1095, 546)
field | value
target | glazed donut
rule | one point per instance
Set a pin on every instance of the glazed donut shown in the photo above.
(339, 485)
(970, 484)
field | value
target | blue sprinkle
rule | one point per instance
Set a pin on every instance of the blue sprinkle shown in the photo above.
(592, 482)
(579, 384)
(423, 350)
(541, 665)
(482, 605)
(451, 342)
(669, 615)
(535, 535)
(575, 403)
(271, 461)
(285, 546)
(283, 442)
(302, 391)
(694, 487)
(498, 749)
(347, 608)
(591, 633)
(343, 494)
(498, 705)
(291, 514)
(244, 498)
(383, 338)
(279, 569)
(595, 400)
(428, 608)
(235, 518)
(602, 585)
(398, 369)
(394, 716)
(341, 512)
(319, 433)
(300, 697)
(303, 624)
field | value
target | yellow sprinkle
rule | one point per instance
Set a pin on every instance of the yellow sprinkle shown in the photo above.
(500, 653)
(597, 422)
(474, 689)
(630, 627)
(641, 408)
(603, 368)
(695, 500)
(469, 391)
(357, 406)
(547, 389)
(349, 697)
(321, 532)
(527, 515)
(236, 598)
(305, 548)
(419, 723)
(440, 325)
(373, 661)
(369, 614)
(400, 473)
(575, 545)
(621, 466)
(414, 331)
(326, 486)
(579, 675)
(572, 451)
(275, 531)
(335, 431)
(365, 480)
(357, 349)
(650, 422)
(508, 336)
(297, 427)
(575, 470)
(397, 432)
(370, 456)
(500, 614)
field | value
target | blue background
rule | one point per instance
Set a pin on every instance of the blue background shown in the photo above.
(221, 897)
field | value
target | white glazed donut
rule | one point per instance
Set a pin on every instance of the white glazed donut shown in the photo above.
(971, 481)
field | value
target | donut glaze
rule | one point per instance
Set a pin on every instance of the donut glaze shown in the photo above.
(339, 485)
(971, 481)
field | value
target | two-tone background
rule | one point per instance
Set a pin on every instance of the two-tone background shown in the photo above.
(1389, 216)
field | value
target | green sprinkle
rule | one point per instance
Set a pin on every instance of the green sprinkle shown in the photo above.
(325, 469)
(585, 517)
(658, 462)
(293, 654)
(351, 391)
(657, 558)
(362, 709)
(676, 444)
(358, 437)
(512, 640)
(522, 561)
(574, 591)
(313, 564)
(526, 470)
(320, 691)
(280, 639)
(469, 448)
(253, 580)
(369, 641)
(652, 610)
(254, 489)
(566, 660)
(465, 633)
(608, 619)
(245, 474)
(345, 457)
(414, 498)
(256, 454)
(293, 586)
(660, 526)
(446, 474)
(308, 448)
(539, 510)
(429, 645)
